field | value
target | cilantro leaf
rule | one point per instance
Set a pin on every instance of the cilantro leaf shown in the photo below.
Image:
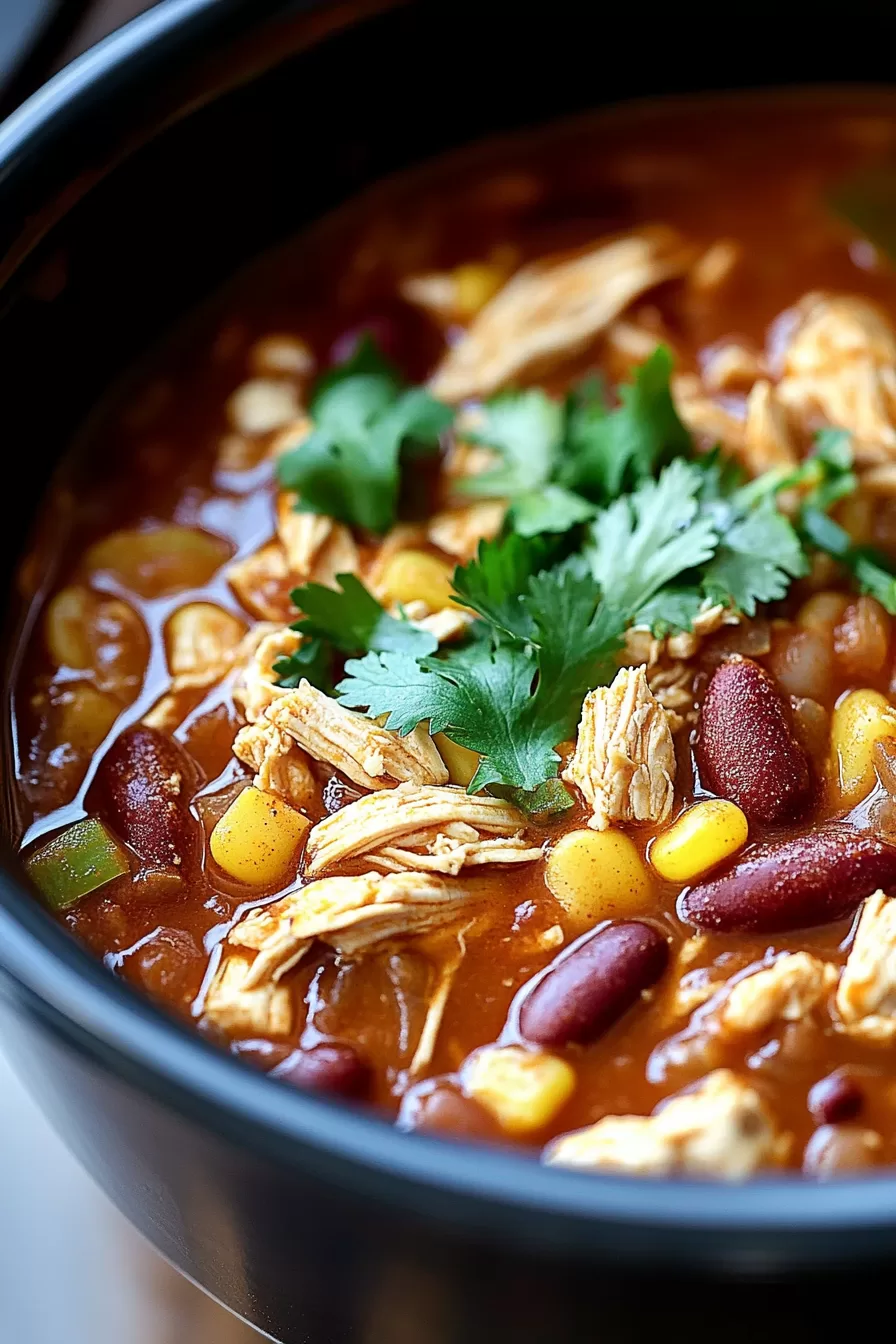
(550, 509)
(348, 466)
(871, 570)
(576, 635)
(514, 697)
(352, 620)
(671, 611)
(312, 661)
(526, 428)
(757, 558)
(643, 541)
(347, 619)
(484, 703)
(610, 449)
(494, 583)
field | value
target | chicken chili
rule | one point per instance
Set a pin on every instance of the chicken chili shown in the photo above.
(467, 682)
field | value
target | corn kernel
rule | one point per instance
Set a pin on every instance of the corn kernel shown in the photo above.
(598, 875)
(861, 719)
(701, 838)
(461, 763)
(415, 576)
(523, 1089)
(474, 284)
(256, 839)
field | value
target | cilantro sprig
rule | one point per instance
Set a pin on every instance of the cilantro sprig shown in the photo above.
(346, 620)
(613, 520)
(364, 420)
(558, 461)
(515, 690)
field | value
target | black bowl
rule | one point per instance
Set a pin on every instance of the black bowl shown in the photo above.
(131, 186)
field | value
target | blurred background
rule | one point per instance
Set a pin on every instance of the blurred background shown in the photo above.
(72, 1271)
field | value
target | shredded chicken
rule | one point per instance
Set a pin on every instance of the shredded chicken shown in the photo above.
(840, 369)
(351, 914)
(419, 827)
(262, 583)
(707, 420)
(281, 766)
(768, 441)
(732, 366)
(786, 991)
(866, 995)
(550, 310)
(624, 761)
(444, 625)
(459, 531)
(202, 642)
(256, 689)
(371, 756)
(721, 1129)
(243, 1010)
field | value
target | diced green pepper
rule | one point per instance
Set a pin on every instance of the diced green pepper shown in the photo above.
(76, 863)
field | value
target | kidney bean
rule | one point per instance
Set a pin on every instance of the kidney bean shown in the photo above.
(444, 1110)
(839, 1149)
(586, 990)
(403, 333)
(782, 885)
(143, 785)
(747, 749)
(835, 1098)
(336, 1069)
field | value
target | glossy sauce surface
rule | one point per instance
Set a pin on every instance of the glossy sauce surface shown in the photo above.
(755, 174)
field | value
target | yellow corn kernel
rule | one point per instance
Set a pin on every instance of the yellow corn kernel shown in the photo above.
(861, 719)
(415, 576)
(474, 284)
(701, 838)
(256, 839)
(523, 1089)
(598, 875)
(461, 763)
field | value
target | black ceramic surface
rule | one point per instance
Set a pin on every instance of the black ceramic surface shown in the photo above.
(129, 188)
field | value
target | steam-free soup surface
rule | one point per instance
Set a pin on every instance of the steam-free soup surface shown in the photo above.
(173, 781)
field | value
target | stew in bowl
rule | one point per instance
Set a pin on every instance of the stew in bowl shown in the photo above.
(465, 682)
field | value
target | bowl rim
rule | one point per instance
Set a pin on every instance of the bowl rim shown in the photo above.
(70, 990)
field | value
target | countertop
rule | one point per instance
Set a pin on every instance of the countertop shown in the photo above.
(72, 1271)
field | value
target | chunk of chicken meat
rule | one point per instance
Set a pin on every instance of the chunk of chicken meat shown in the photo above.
(351, 914)
(722, 1128)
(242, 1010)
(317, 547)
(551, 309)
(840, 370)
(261, 582)
(786, 991)
(420, 828)
(624, 761)
(458, 531)
(281, 766)
(367, 754)
(866, 995)
(256, 686)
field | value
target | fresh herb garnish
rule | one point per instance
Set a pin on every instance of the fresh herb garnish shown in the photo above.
(347, 620)
(558, 461)
(364, 417)
(511, 696)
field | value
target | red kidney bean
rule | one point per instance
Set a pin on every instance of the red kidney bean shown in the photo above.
(144, 785)
(589, 988)
(747, 749)
(444, 1110)
(835, 1098)
(782, 885)
(336, 1069)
